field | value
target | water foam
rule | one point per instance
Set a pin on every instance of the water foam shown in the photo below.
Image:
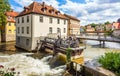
(28, 66)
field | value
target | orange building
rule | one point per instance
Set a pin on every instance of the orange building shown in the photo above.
(89, 28)
(116, 25)
(9, 30)
(73, 25)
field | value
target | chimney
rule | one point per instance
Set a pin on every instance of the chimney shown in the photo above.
(26, 9)
(43, 4)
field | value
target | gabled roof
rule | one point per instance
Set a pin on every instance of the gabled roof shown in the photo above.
(11, 15)
(71, 17)
(41, 8)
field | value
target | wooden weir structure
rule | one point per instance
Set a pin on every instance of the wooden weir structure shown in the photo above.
(61, 45)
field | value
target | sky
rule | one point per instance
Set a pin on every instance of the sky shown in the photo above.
(88, 11)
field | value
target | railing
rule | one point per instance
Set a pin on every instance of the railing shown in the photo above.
(99, 38)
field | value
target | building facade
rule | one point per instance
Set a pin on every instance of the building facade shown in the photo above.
(116, 29)
(38, 19)
(116, 25)
(9, 30)
(73, 25)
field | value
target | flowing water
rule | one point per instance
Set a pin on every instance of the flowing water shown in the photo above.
(28, 66)
(94, 50)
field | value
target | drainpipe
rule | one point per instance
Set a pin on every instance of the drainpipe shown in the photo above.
(31, 30)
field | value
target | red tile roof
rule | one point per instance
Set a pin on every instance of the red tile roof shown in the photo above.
(38, 8)
(71, 17)
(11, 15)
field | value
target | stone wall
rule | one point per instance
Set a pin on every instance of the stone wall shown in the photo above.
(21, 43)
(92, 72)
(10, 37)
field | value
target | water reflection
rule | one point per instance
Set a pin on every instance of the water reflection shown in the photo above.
(96, 44)
(9, 48)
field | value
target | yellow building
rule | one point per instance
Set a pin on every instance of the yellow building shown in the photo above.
(73, 25)
(9, 30)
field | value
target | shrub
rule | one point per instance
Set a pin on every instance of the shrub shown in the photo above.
(68, 54)
(111, 61)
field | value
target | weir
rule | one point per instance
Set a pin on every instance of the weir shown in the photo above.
(69, 47)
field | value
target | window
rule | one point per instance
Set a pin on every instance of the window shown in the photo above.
(58, 30)
(18, 30)
(18, 21)
(9, 24)
(50, 20)
(22, 19)
(18, 39)
(9, 31)
(8, 17)
(64, 22)
(58, 21)
(27, 42)
(14, 24)
(27, 18)
(50, 30)
(41, 18)
(22, 30)
(64, 31)
(27, 30)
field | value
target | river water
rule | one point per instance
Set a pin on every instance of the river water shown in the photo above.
(94, 50)
(29, 66)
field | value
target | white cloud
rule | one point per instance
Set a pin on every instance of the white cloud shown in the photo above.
(54, 3)
(16, 8)
(93, 11)
(23, 2)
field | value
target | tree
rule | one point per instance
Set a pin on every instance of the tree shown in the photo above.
(93, 25)
(106, 23)
(4, 6)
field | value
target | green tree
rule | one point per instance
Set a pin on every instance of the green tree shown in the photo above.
(4, 6)
(93, 25)
(106, 23)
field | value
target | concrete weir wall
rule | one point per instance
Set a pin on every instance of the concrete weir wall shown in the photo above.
(92, 72)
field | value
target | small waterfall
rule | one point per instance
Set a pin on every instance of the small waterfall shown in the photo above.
(28, 66)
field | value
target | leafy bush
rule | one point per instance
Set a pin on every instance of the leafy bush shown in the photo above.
(111, 61)
(68, 54)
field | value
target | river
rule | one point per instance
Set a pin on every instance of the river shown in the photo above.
(29, 66)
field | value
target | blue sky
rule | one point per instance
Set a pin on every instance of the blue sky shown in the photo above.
(88, 11)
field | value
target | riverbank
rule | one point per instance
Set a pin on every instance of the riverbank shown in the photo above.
(30, 62)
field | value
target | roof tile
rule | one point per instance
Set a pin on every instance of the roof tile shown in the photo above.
(39, 8)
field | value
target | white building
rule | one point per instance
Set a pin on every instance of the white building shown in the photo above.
(38, 19)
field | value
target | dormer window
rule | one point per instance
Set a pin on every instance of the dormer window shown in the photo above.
(8, 17)
(44, 9)
(58, 12)
(51, 11)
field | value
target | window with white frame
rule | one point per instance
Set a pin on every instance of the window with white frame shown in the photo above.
(50, 30)
(41, 18)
